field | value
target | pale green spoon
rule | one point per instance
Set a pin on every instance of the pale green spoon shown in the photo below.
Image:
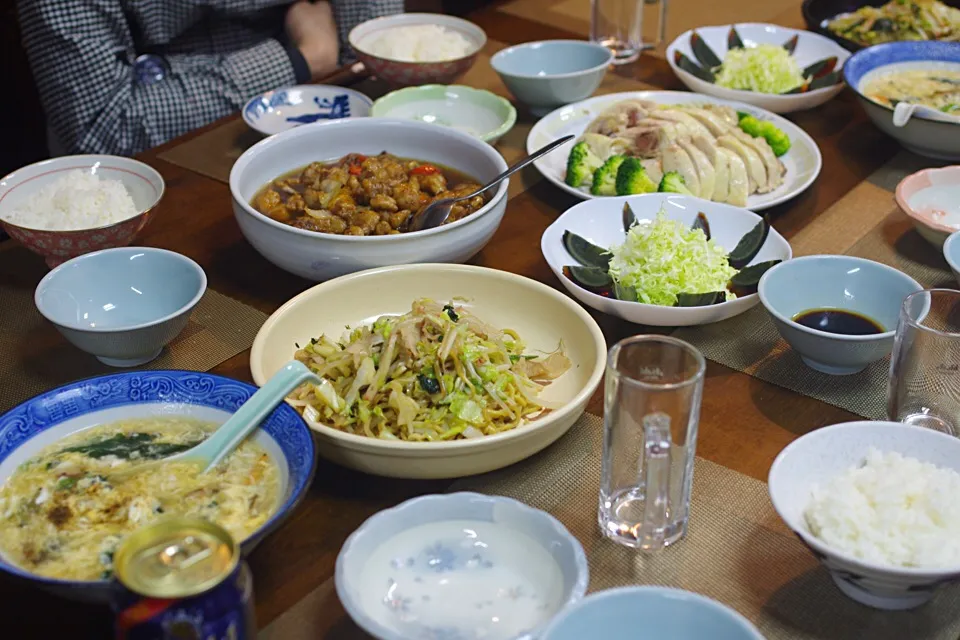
(247, 418)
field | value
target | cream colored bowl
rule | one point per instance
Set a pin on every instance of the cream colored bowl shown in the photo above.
(541, 315)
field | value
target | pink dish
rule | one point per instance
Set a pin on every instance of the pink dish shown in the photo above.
(141, 181)
(399, 73)
(932, 199)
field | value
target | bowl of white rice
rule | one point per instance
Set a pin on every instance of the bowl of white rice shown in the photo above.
(411, 49)
(876, 503)
(72, 205)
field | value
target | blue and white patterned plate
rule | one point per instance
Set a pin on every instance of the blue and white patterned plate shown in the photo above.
(282, 109)
(56, 414)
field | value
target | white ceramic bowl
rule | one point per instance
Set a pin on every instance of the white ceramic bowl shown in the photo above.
(142, 182)
(932, 200)
(461, 565)
(811, 48)
(827, 452)
(122, 305)
(927, 137)
(552, 73)
(502, 299)
(275, 111)
(320, 256)
(951, 252)
(601, 221)
(836, 282)
(650, 613)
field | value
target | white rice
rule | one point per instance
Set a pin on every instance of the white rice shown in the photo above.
(417, 43)
(75, 201)
(893, 510)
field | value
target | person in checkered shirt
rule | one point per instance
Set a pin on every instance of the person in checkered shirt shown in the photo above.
(121, 76)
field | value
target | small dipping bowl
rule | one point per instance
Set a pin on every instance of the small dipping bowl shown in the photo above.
(932, 200)
(552, 73)
(459, 565)
(275, 111)
(650, 613)
(480, 113)
(122, 305)
(842, 283)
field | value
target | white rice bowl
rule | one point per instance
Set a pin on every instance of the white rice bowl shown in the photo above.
(417, 43)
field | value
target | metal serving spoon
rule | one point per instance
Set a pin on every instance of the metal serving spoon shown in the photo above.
(247, 418)
(437, 212)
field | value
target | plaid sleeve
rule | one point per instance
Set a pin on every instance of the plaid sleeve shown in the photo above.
(82, 60)
(350, 13)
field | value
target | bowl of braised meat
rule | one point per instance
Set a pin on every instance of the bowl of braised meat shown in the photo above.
(331, 198)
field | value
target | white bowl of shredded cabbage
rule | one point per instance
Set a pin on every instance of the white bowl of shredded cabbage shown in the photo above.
(662, 256)
(764, 71)
(876, 503)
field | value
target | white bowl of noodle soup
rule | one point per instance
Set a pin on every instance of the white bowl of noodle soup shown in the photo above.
(62, 413)
(543, 317)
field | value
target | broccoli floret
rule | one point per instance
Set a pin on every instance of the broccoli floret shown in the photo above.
(673, 182)
(605, 178)
(777, 139)
(632, 178)
(581, 163)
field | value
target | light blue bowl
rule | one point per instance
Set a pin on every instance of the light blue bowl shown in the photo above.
(921, 135)
(650, 613)
(836, 282)
(951, 252)
(500, 569)
(275, 111)
(56, 414)
(122, 305)
(552, 73)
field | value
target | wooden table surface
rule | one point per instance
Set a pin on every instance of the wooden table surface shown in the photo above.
(744, 422)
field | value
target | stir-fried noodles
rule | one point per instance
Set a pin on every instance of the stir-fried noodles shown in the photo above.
(435, 373)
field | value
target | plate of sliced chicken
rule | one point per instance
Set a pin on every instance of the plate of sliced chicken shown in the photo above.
(680, 142)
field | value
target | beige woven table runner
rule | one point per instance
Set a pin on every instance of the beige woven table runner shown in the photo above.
(34, 357)
(872, 226)
(737, 550)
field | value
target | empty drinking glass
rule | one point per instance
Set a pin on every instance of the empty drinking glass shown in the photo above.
(924, 385)
(651, 411)
(628, 26)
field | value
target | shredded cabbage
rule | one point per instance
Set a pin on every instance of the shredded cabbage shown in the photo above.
(665, 257)
(765, 68)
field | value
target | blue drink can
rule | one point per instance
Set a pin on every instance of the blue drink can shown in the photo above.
(182, 579)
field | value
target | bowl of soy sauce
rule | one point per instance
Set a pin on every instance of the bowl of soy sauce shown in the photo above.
(838, 313)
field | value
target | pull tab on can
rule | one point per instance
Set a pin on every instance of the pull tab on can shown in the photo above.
(656, 462)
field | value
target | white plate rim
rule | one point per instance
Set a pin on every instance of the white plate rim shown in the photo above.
(796, 133)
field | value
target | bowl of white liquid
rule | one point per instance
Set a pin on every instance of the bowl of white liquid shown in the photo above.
(459, 565)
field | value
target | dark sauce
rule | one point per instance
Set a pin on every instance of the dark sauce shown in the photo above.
(839, 321)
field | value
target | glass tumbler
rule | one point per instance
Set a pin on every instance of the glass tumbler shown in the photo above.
(924, 384)
(628, 26)
(651, 411)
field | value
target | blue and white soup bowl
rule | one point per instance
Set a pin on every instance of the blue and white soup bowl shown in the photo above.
(282, 109)
(54, 415)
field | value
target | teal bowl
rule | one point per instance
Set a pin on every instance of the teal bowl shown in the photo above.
(552, 73)
(843, 283)
(122, 305)
(480, 113)
(650, 613)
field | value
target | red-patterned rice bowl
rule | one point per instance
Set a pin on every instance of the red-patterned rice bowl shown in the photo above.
(398, 73)
(141, 181)
(932, 199)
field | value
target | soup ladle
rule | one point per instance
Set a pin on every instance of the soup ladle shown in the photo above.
(243, 422)
(437, 212)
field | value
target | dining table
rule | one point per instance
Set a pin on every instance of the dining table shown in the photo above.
(750, 409)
